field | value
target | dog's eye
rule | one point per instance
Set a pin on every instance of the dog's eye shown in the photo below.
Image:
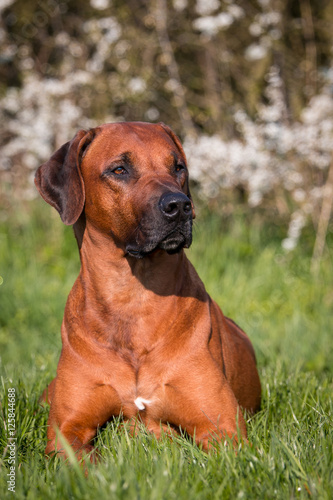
(112, 172)
(179, 168)
(119, 171)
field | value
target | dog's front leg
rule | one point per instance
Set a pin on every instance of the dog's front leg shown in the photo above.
(203, 404)
(78, 408)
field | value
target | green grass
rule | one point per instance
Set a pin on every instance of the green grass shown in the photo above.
(272, 295)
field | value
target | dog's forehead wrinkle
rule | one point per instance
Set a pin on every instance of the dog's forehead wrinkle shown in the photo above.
(147, 136)
(145, 147)
(127, 157)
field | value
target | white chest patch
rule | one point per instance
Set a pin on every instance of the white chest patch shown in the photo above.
(140, 403)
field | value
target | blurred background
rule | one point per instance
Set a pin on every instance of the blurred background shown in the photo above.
(248, 87)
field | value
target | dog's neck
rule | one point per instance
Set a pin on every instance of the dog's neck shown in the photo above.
(109, 270)
(129, 291)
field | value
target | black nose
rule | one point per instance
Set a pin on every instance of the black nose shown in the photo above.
(173, 205)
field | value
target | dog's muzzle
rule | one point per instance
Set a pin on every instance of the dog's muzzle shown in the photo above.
(169, 229)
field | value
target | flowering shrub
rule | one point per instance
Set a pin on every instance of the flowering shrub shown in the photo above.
(259, 112)
(270, 155)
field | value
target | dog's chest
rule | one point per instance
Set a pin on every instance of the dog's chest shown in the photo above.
(140, 384)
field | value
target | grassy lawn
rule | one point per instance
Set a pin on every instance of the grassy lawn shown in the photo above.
(272, 295)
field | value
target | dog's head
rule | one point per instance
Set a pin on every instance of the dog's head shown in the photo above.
(130, 181)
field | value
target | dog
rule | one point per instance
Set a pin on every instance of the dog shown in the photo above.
(141, 337)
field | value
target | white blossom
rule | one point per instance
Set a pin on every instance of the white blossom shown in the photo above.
(103, 33)
(179, 5)
(236, 11)
(211, 25)
(5, 3)
(271, 154)
(100, 4)
(206, 7)
(255, 51)
(152, 114)
(255, 29)
(137, 85)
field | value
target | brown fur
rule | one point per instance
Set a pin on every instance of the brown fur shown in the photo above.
(138, 321)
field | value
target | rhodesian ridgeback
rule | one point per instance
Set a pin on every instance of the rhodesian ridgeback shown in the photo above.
(141, 337)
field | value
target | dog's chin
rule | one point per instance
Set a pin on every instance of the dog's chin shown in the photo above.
(175, 243)
(172, 244)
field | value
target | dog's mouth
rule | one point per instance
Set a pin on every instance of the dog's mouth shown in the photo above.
(172, 243)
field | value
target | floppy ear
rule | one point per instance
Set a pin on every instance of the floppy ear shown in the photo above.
(59, 180)
(176, 140)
